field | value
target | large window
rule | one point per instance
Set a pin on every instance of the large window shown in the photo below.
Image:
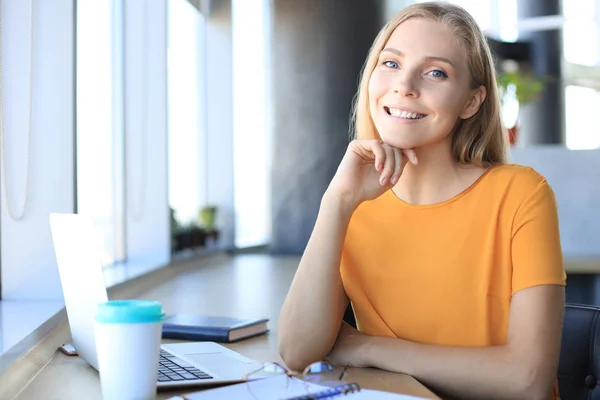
(581, 44)
(252, 144)
(580, 105)
(187, 134)
(99, 122)
(581, 32)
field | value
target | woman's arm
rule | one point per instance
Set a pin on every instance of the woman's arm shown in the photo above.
(312, 312)
(524, 368)
(311, 315)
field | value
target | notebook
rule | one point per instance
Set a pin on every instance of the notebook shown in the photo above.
(271, 389)
(214, 329)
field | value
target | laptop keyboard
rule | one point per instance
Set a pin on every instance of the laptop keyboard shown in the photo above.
(171, 368)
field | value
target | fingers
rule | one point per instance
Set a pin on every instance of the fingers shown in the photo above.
(389, 165)
(395, 162)
(390, 161)
(368, 149)
(412, 156)
(399, 163)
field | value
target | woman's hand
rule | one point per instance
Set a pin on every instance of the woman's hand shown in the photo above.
(369, 168)
(350, 348)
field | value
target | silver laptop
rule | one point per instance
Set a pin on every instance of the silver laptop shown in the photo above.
(82, 279)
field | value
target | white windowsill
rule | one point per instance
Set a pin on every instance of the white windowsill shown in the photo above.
(20, 318)
(23, 323)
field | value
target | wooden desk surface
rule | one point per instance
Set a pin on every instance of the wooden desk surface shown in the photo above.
(241, 286)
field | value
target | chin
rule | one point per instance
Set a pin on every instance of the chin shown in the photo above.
(400, 141)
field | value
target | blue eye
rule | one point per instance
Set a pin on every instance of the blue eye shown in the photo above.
(438, 73)
(390, 64)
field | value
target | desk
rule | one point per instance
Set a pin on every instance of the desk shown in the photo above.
(240, 286)
(590, 265)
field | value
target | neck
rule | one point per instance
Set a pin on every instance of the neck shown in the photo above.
(437, 177)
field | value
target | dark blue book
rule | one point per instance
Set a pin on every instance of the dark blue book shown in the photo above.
(212, 329)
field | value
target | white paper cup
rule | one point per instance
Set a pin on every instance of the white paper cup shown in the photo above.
(128, 336)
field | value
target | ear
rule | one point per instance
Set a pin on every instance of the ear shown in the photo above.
(475, 100)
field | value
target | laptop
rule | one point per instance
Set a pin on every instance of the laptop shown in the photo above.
(82, 278)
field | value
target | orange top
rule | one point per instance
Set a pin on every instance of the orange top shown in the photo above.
(444, 273)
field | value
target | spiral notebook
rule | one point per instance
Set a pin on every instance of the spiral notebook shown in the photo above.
(271, 389)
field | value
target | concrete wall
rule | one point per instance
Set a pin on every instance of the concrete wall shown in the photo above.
(318, 49)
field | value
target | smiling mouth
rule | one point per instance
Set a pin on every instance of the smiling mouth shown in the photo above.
(399, 113)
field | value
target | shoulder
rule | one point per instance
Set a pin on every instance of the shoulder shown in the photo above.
(517, 180)
(522, 189)
(523, 176)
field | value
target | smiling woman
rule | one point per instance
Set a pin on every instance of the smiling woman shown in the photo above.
(443, 83)
(450, 257)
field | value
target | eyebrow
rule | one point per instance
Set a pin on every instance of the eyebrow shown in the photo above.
(428, 58)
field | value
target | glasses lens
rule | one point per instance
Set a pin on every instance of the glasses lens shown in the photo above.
(270, 380)
(323, 373)
(319, 368)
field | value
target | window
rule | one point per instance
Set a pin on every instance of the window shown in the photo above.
(581, 134)
(187, 134)
(99, 122)
(251, 132)
(581, 32)
(581, 43)
(507, 20)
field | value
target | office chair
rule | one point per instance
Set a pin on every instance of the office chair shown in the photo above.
(579, 363)
(349, 316)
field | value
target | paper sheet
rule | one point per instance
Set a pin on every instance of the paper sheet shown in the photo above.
(275, 389)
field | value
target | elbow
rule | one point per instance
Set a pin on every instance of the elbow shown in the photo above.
(295, 362)
(297, 356)
(535, 385)
(534, 393)
(291, 351)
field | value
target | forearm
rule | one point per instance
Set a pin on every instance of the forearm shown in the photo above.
(312, 312)
(495, 372)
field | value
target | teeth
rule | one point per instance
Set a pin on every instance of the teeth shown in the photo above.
(394, 112)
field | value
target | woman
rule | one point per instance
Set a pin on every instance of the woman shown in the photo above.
(450, 257)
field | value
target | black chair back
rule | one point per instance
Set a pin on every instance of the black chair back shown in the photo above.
(579, 363)
(349, 316)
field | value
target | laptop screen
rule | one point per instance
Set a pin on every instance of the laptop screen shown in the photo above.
(81, 277)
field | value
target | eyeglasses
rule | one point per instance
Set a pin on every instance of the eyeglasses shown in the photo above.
(319, 373)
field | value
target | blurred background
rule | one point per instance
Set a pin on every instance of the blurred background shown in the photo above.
(185, 127)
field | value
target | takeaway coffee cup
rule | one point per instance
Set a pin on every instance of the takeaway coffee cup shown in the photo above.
(128, 334)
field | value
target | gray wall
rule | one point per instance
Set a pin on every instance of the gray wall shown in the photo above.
(574, 175)
(318, 49)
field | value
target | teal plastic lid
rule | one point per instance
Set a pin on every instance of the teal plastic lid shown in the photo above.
(129, 312)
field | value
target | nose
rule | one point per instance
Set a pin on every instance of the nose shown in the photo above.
(406, 85)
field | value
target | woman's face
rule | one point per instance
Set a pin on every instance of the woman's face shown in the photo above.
(420, 85)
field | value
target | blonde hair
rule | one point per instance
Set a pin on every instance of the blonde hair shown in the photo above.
(477, 140)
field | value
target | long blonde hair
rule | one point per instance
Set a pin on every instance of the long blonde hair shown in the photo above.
(477, 140)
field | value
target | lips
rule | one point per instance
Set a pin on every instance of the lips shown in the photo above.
(403, 113)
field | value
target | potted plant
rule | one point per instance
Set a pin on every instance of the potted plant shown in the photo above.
(516, 89)
(208, 216)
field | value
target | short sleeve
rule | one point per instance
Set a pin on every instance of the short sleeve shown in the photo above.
(537, 257)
